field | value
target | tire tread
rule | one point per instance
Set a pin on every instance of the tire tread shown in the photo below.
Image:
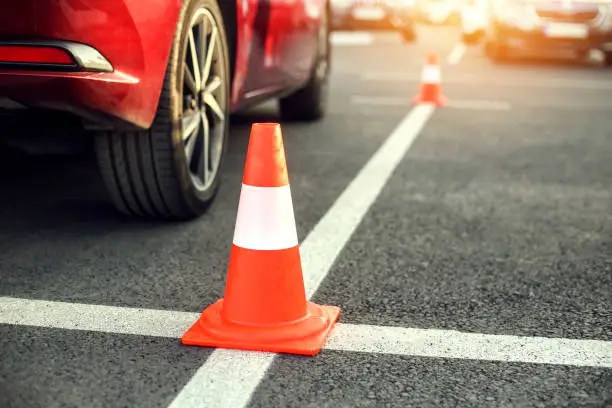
(147, 188)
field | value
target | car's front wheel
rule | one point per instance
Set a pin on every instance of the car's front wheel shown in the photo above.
(408, 34)
(310, 102)
(496, 52)
(172, 170)
(608, 59)
(471, 38)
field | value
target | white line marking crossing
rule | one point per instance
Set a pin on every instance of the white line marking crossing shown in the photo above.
(531, 82)
(457, 53)
(479, 104)
(344, 337)
(379, 100)
(470, 346)
(351, 38)
(453, 103)
(101, 318)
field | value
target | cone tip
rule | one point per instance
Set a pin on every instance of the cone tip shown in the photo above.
(266, 129)
(431, 58)
(264, 125)
(265, 162)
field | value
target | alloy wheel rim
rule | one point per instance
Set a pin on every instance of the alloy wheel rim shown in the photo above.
(203, 100)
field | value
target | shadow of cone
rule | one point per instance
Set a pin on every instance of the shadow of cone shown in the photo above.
(264, 307)
(430, 92)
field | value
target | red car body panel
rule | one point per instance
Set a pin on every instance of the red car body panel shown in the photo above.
(275, 49)
(283, 46)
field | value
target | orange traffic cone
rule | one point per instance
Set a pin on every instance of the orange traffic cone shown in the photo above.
(265, 306)
(431, 83)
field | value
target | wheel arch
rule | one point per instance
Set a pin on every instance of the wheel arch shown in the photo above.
(229, 14)
(229, 11)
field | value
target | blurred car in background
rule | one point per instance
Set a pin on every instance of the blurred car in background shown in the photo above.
(537, 26)
(156, 82)
(375, 15)
(474, 18)
(439, 12)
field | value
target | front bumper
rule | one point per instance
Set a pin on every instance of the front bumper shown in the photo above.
(537, 39)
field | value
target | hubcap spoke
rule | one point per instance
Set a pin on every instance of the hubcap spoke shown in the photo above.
(205, 149)
(203, 29)
(194, 61)
(189, 147)
(213, 85)
(210, 50)
(211, 102)
(190, 81)
(191, 129)
(190, 122)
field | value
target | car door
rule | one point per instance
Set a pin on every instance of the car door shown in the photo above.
(283, 43)
(296, 38)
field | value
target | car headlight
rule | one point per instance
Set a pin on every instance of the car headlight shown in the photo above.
(522, 16)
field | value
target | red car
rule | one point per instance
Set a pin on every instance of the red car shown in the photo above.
(154, 82)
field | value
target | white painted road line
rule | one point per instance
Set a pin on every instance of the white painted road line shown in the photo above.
(357, 38)
(344, 337)
(453, 103)
(379, 100)
(457, 53)
(369, 101)
(478, 104)
(485, 81)
(470, 346)
(100, 318)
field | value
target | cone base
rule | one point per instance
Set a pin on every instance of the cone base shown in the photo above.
(440, 101)
(305, 336)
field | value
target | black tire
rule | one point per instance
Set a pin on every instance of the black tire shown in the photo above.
(147, 172)
(607, 59)
(310, 102)
(583, 57)
(408, 34)
(471, 39)
(498, 53)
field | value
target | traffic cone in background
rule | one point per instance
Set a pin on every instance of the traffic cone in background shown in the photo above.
(264, 307)
(431, 83)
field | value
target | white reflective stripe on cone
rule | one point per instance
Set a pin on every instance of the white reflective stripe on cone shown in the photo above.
(431, 74)
(265, 219)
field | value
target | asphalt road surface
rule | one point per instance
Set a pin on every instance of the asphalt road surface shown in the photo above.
(469, 247)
